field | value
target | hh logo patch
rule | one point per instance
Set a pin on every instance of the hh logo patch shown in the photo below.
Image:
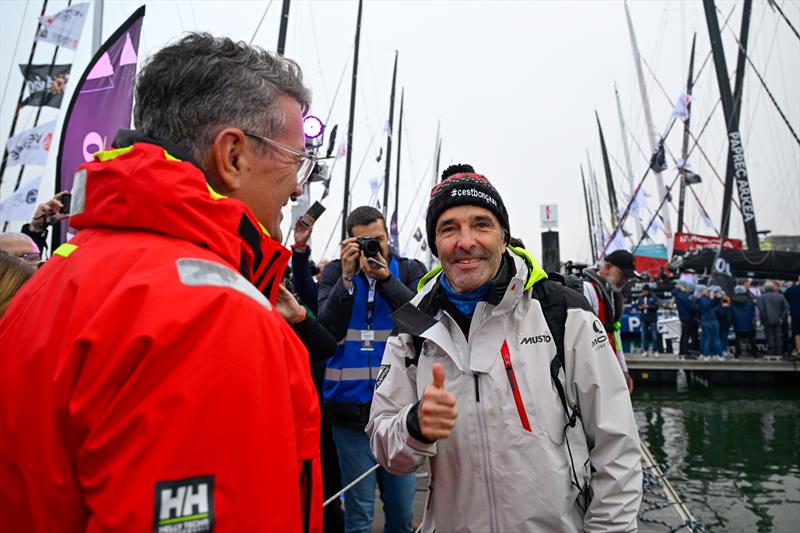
(184, 505)
(382, 373)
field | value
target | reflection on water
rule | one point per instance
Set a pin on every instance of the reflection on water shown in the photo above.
(733, 454)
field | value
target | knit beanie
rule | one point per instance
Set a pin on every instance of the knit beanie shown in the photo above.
(460, 185)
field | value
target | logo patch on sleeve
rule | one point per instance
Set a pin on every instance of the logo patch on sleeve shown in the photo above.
(184, 505)
(382, 373)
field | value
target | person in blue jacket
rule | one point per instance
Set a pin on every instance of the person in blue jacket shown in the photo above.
(683, 303)
(648, 307)
(792, 294)
(357, 295)
(724, 317)
(709, 324)
(743, 313)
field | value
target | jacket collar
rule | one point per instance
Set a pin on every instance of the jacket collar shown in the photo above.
(145, 186)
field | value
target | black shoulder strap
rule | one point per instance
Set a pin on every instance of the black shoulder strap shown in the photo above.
(403, 266)
(554, 306)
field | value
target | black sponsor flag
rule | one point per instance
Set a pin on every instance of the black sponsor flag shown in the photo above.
(658, 161)
(46, 84)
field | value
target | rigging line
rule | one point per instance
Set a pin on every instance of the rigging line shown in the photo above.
(263, 16)
(624, 216)
(14, 55)
(708, 56)
(352, 188)
(758, 95)
(339, 85)
(180, 18)
(704, 210)
(696, 139)
(776, 6)
(316, 47)
(194, 19)
(766, 89)
(653, 218)
(413, 202)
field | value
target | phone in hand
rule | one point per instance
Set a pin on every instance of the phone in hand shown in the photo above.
(375, 263)
(311, 216)
(66, 202)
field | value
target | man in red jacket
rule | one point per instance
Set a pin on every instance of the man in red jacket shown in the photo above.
(147, 382)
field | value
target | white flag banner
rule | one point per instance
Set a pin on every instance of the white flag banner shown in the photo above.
(639, 203)
(22, 204)
(654, 228)
(617, 243)
(31, 146)
(681, 111)
(375, 184)
(64, 28)
(707, 221)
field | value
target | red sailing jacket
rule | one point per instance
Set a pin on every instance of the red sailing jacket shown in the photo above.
(145, 383)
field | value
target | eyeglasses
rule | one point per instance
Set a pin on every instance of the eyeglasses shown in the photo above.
(30, 257)
(305, 163)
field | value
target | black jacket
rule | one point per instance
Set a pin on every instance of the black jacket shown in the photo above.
(335, 303)
(304, 284)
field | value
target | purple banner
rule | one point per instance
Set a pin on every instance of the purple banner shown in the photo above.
(101, 105)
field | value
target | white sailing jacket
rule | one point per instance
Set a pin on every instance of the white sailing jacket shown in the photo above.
(506, 465)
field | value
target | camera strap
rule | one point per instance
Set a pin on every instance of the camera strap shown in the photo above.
(367, 335)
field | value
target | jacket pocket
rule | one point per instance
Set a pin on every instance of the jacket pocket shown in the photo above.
(512, 381)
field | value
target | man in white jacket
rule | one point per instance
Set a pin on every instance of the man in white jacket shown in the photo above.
(505, 380)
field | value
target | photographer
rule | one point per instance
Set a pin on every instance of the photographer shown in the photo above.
(357, 295)
(47, 214)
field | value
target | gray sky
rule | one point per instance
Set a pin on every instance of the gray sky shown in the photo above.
(515, 85)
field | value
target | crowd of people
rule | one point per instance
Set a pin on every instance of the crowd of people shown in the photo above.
(708, 315)
(167, 370)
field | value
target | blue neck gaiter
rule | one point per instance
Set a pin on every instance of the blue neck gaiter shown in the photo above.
(465, 302)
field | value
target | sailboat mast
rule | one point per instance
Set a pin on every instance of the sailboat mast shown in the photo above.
(21, 95)
(628, 166)
(588, 215)
(736, 161)
(389, 133)
(283, 28)
(399, 154)
(612, 194)
(597, 215)
(97, 26)
(685, 147)
(349, 156)
(648, 117)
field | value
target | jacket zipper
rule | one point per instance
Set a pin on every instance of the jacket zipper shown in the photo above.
(512, 380)
(487, 464)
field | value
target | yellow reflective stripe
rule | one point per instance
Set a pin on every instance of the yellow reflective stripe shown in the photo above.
(536, 272)
(171, 157)
(108, 155)
(65, 250)
(429, 276)
(214, 194)
(217, 196)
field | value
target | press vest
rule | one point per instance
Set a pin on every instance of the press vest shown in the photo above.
(351, 373)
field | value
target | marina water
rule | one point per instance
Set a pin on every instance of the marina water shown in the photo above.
(733, 454)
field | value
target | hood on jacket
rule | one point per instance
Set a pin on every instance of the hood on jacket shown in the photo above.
(535, 271)
(740, 298)
(144, 187)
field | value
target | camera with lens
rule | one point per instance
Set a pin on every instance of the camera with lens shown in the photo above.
(370, 246)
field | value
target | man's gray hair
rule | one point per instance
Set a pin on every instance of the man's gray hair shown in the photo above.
(191, 89)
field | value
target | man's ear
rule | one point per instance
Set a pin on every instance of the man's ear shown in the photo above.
(228, 159)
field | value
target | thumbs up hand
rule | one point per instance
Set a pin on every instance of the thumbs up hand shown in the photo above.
(437, 411)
